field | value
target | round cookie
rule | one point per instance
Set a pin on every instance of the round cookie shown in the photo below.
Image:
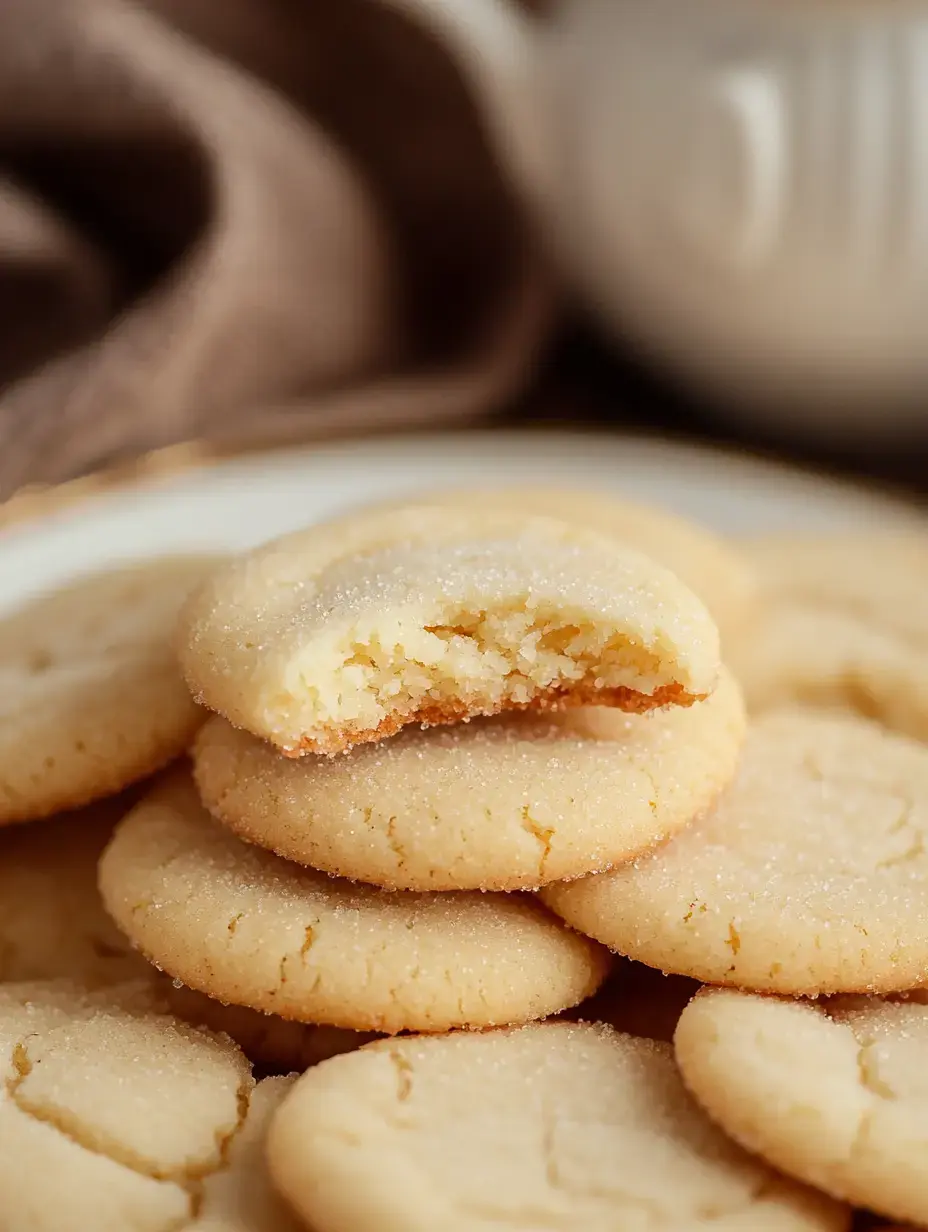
(834, 1093)
(268, 1040)
(348, 631)
(52, 921)
(91, 696)
(810, 876)
(245, 927)
(113, 1116)
(836, 635)
(715, 570)
(505, 803)
(569, 1127)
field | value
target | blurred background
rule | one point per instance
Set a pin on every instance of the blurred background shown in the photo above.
(243, 222)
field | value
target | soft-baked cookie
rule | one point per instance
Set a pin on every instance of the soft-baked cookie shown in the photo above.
(504, 803)
(548, 1126)
(91, 698)
(810, 876)
(835, 1094)
(52, 921)
(712, 567)
(348, 631)
(844, 625)
(246, 927)
(275, 1043)
(115, 1117)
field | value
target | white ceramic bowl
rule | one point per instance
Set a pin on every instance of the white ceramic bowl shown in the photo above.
(741, 186)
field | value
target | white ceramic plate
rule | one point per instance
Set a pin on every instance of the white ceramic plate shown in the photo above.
(243, 501)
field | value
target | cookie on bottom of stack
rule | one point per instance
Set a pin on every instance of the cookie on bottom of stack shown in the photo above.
(75, 1152)
(573, 1126)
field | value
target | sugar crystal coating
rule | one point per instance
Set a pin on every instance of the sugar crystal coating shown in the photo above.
(810, 875)
(504, 803)
(347, 632)
(549, 1126)
(246, 927)
(834, 1093)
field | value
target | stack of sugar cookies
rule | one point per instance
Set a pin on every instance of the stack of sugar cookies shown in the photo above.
(446, 761)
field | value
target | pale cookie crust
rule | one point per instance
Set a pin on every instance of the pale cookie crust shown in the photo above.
(501, 804)
(835, 1094)
(52, 920)
(714, 569)
(270, 1041)
(246, 927)
(91, 698)
(810, 876)
(549, 1126)
(113, 1116)
(844, 625)
(347, 632)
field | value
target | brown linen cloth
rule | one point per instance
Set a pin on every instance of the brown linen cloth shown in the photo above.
(246, 220)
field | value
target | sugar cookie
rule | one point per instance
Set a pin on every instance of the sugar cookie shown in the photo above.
(810, 876)
(244, 926)
(835, 635)
(506, 803)
(52, 921)
(347, 632)
(91, 697)
(569, 1127)
(714, 569)
(834, 1093)
(267, 1039)
(112, 1116)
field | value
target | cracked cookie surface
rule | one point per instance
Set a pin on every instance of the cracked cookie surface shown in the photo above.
(92, 698)
(565, 1126)
(844, 625)
(506, 803)
(118, 1117)
(349, 631)
(246, 927)
(809, 876)
(833, 1093)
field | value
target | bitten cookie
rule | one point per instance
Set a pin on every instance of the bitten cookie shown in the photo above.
(549, 1126)
(92, 698)
(844, 626)
(52, 921)
(246, 927)
(714, 569)
(505, 803)
(810, 876)
(347, 632)
(834, 1094)
(118, 1118)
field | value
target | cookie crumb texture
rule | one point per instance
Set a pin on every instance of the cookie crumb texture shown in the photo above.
(244, 926)
(92, 698)
(324, 640)
(835, 1093)
(117, 1118)
(809, 877)
(556, 1125)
